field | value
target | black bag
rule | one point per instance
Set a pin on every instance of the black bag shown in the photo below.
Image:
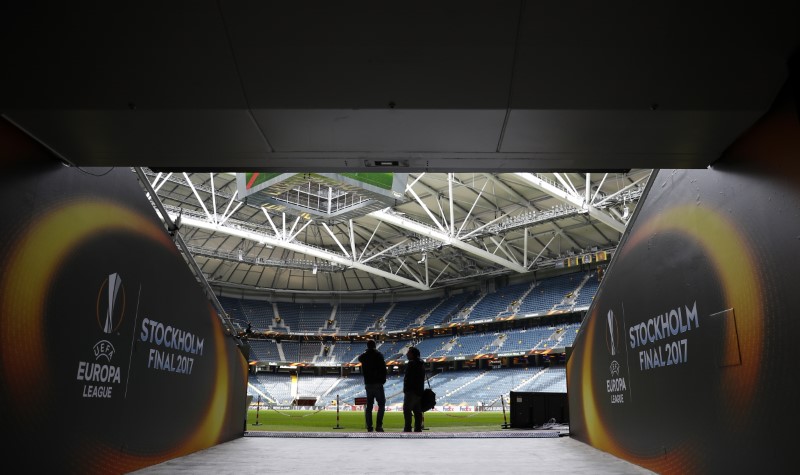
(428, 399)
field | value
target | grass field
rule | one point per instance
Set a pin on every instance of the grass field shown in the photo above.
(353, 421)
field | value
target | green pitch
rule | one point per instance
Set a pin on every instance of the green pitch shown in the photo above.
(353, 421)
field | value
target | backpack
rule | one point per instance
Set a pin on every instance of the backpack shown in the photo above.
(428, 399)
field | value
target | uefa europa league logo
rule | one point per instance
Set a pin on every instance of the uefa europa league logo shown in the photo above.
(115, 304)
(612, 335)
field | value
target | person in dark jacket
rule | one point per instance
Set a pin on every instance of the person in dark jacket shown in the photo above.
(413, 386)
(373, 367)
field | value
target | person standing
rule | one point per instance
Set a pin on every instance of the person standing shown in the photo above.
(373, 367)
(413, 386)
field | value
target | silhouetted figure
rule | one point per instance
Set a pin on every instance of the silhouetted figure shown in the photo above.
(373, 367)
(413, 386)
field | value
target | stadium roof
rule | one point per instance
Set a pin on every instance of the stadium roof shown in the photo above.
(447, 229)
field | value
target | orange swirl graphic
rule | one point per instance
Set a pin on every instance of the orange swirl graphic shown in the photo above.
(36, 258)
(210, 426)
(736, 269)
(213, 421)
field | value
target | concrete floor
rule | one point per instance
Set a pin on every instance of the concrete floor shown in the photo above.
(418, 454)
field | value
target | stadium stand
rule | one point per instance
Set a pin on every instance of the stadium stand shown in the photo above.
(548, 293)
(359, 318)
(451, 307)
(499, 303)
(404, 314)
(331, 336)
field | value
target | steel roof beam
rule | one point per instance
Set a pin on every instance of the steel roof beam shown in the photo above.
(572, 199)
(428, 231)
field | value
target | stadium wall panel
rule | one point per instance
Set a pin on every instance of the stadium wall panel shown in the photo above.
(112, 358)
(683, 363)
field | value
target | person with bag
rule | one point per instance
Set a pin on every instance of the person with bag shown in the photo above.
(413, 386)
(373, 368)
